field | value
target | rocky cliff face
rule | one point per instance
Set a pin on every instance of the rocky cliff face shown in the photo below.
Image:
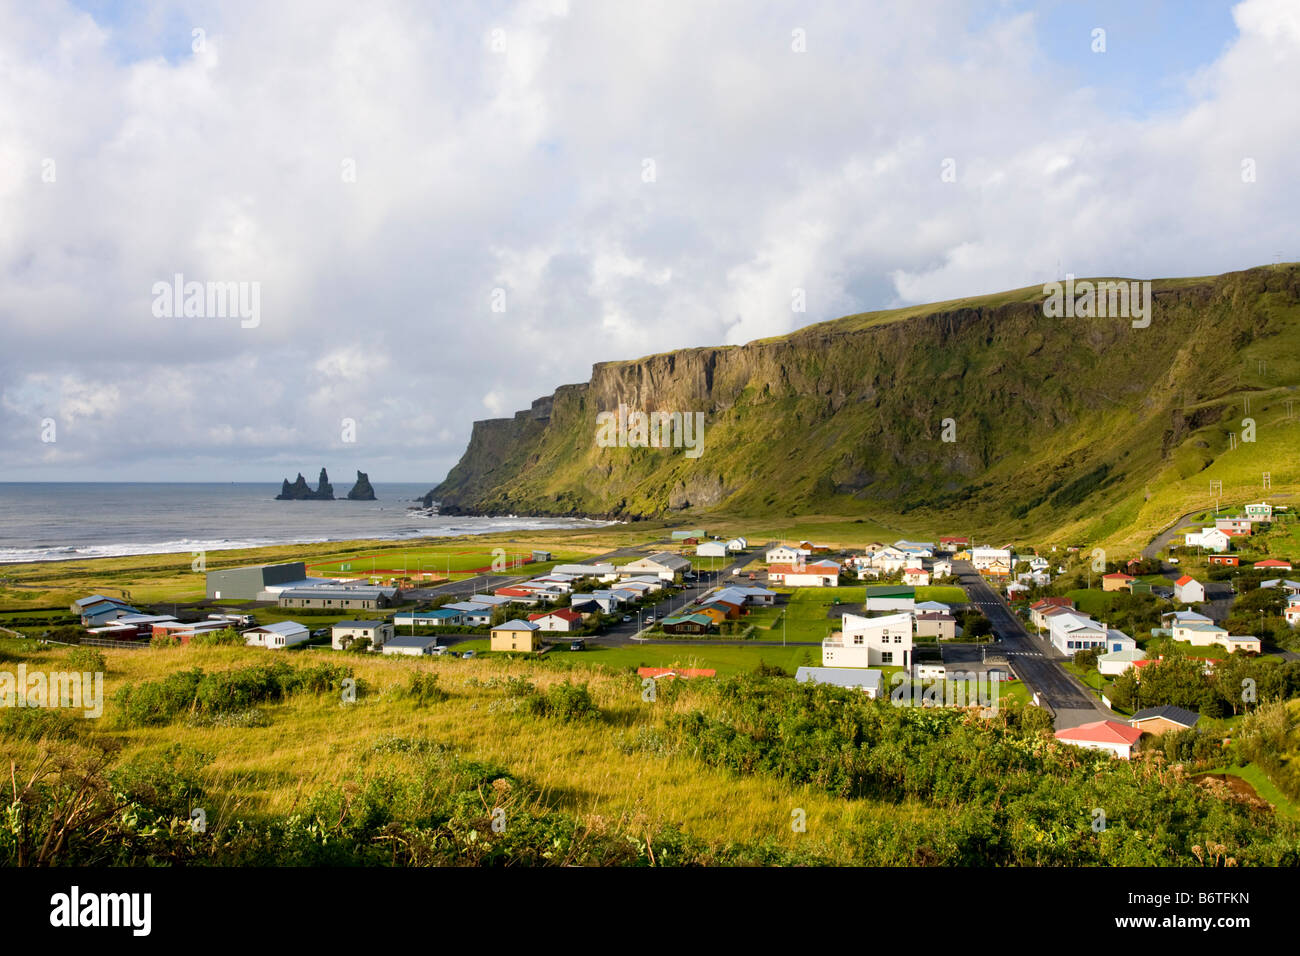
(362, 490)
(948, 407)
(301, 491)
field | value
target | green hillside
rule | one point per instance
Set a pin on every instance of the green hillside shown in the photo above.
(1065, 428)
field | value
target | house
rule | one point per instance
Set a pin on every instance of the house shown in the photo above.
(1017, 589)
(716, 612)
(1117, 662)
(667, 566)
(870, 642)
(737, 544)
(1262, 511)
(563, 620)
(953, 544)
(711, 549)
(1273, 564)
(278, 635)
(936, 624)
(183, 631)
(783, 554)
(750, 595)
(1158, 720)
(1238, 525)
(1225, 560)
(818, 574)
(102, 612)
(1292, 614)
(345, 633)
(1244, 644)
(1211, 539)
(1117, 641)
(891, 598)
(1292, 588)
(412, 645)
(985, 559)
(1040, 607)
(812, 548)
(1170, 618)
(520, 595)
(941, 568)
(472, 613)
(1073, 631)
(516, 635)
(918, 577)
(688, 624)
(439, 617)
(1109, 735)
(340, 597)
(1118, 581)
(867, 680)
(884, 560)
(1187, 590)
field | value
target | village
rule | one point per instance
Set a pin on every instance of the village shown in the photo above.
(909, 621)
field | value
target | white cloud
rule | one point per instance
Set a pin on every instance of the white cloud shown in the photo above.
(521, 169)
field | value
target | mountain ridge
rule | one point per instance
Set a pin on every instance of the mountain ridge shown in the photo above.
(850, 415)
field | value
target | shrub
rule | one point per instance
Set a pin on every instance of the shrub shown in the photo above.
(567, 702)
(87, 659)
(226, 637)
(424, 689)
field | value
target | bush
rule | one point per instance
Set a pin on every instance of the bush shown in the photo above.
(226, 637)
(87, 659)
(424, 689)
(566, 702)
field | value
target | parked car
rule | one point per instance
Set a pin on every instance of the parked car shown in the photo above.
(650, 619)
(627, 618)
(578, 645)
(467, 654)
(320, 632)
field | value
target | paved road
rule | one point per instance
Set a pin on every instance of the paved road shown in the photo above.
(1033, 659)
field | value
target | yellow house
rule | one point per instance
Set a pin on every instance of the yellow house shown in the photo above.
(717, 613)
(516, 635)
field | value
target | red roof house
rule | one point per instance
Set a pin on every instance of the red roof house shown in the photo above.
(1110, 735)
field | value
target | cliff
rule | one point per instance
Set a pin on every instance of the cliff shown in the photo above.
(979, 409)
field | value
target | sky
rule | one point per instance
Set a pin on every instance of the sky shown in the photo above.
(442, 211)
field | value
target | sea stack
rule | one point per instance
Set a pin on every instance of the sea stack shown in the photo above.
(301, 491)
(362, 490)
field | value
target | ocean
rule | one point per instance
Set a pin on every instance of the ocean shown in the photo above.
(51, 521)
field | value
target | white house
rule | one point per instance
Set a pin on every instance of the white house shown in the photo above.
(783, 554)
(737, 544)
(818, 574)
(410, 645)
(666, 565)
(917, 577)
(1187, 590)
(942, 568)
(710, 549)
(867, 680)
(1292, 614)
(1117, 662)
(278, 635)
(887, 560)
(1211, 539)
(870, 642)
(1074, 631)
(985, 558)
(345, 632)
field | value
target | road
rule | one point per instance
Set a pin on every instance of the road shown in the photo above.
(1033, 659)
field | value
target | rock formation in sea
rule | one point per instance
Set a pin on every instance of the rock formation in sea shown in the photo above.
(362, 490)
(301, 491)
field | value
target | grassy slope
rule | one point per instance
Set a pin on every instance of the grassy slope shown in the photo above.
(314, 742)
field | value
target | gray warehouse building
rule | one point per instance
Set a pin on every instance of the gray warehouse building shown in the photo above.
(249, 583)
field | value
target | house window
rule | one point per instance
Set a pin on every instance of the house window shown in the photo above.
(887, 657)
(898, 638)
(857, 638)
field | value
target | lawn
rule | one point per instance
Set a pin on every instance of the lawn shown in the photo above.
(944, 593)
